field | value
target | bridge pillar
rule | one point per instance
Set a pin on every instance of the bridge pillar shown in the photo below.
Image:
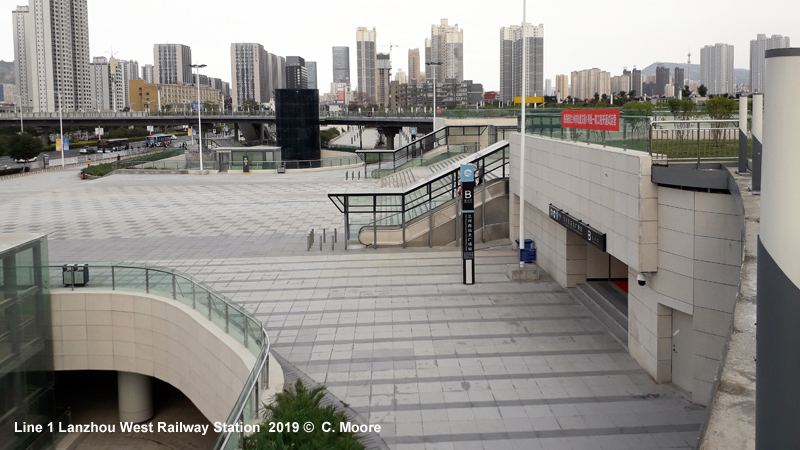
(44, 135)
(390, 133)
(135, 397)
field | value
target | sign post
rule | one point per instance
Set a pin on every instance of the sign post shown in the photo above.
(468, 228)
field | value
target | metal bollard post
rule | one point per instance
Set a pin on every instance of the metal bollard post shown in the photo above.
(333, 245)
(320, 245)
(359, 175)
(323, 235)
(335, 235)
(346, 174)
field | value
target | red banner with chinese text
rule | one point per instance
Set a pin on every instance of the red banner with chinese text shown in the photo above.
(591, 119)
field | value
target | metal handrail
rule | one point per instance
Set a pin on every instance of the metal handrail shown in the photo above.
(257, 381)
(419, 198)
(397, 159)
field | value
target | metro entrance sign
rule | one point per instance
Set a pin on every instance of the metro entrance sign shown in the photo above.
(468, 228)
(591, 119)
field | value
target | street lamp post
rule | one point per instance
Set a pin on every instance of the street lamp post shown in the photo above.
(522, 141)
(199, 121)
(21, 127)
(61, 125)
(434, 90)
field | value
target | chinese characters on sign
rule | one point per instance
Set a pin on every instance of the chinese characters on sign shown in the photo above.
(468, 215)
(576, 226)
(591, 119)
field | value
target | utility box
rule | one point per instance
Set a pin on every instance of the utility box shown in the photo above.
(75, 274)
(281, 167)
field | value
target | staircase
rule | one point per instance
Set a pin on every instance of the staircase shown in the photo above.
(441, 165)
(607, 305)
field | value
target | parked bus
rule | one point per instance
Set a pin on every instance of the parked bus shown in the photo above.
(159, 140)
(112, 145)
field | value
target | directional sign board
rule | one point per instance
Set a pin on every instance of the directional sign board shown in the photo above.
(589, 234)
(468, 228)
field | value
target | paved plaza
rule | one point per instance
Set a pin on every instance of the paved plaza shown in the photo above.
(392, 333)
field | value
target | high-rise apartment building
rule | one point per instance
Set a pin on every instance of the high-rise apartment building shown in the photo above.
(413, 64)
(562, 86)
(296, 73)
(401, 76)
(129, 71)
(620, 83)
(107, 84)
(757, 62)
(366, 63)
(341, 64)
(678, 82)
(662, 80)
(255, 74)
(51, 55)
(172, 64)
(311, 70)
(636, 81)
(586, 83)
(716, 68)
(511, 43)
(148, 74)
(446, 46)
(384, 75)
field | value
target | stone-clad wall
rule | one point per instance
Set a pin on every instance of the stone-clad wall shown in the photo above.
(150, 335)
(608, 188)
(699, 268)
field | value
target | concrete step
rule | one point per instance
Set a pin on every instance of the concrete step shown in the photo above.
(602, 300)
(619, 332)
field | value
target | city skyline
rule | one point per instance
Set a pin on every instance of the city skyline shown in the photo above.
(603, 38)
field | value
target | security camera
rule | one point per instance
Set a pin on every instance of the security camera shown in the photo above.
(641, 279)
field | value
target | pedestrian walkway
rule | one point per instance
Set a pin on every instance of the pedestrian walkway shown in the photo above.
(392, 333)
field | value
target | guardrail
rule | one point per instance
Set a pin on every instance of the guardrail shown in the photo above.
(467, 138)
(694, 140)
(222, 312)
(369, 206)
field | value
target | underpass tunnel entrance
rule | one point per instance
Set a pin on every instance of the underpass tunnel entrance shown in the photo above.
(605, 292)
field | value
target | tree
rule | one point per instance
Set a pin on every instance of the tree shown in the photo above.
(22, 146)
(702, 90)
(686, 92)
(596, 97)
(637, 126)
(682, 109)
(719, 108)
(250, 105)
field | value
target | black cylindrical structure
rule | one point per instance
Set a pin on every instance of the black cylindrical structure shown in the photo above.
(297, 123)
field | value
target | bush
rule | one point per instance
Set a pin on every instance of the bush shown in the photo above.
(99, 170)
(300, 407)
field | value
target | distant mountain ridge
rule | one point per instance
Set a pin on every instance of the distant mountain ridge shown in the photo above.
(740, 76)
(7, 72)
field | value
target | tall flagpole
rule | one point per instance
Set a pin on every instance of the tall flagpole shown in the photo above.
(521, 244)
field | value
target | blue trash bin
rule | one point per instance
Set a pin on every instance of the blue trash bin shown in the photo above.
(528, 243)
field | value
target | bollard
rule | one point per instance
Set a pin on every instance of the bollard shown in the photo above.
(320, 245)
(333, 243)
(335, 235)
(346, 174)
(323, 235)
(359, 175)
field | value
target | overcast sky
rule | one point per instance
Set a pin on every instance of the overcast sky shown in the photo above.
(579, 34)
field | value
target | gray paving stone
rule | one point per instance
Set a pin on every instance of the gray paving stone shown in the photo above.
(436, 363)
